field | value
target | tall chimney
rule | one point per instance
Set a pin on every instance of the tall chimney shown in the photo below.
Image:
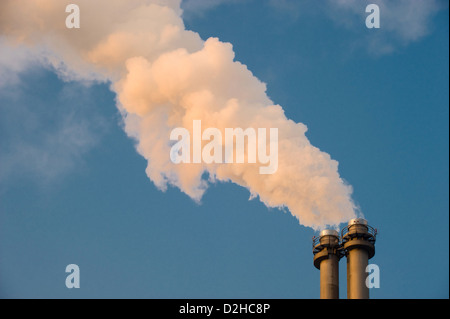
(358, 242)
(326, 251)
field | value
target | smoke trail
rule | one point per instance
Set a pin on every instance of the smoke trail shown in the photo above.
(165, 77)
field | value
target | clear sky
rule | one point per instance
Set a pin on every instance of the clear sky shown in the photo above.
(73, 189)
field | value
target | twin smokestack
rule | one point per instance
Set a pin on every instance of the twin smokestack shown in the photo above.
(357, 243)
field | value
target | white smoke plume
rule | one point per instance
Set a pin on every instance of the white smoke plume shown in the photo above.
(166, 77)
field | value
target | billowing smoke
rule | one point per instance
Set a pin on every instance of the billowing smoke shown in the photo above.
(167, 77)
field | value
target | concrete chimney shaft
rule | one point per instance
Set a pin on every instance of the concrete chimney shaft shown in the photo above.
(358, 241)
(326, 258)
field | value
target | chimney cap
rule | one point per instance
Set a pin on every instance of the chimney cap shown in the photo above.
(329, 232)
(357, 221)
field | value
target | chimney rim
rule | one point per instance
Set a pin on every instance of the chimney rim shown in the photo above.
(358, 221)
(329, 232)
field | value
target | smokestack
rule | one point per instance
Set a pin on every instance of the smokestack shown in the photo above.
(358, 242)
(327, 254)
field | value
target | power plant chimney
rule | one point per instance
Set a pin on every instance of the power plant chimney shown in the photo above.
(358, 243)
(326, 249)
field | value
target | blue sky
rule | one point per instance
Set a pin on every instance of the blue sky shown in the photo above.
(73, 189)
